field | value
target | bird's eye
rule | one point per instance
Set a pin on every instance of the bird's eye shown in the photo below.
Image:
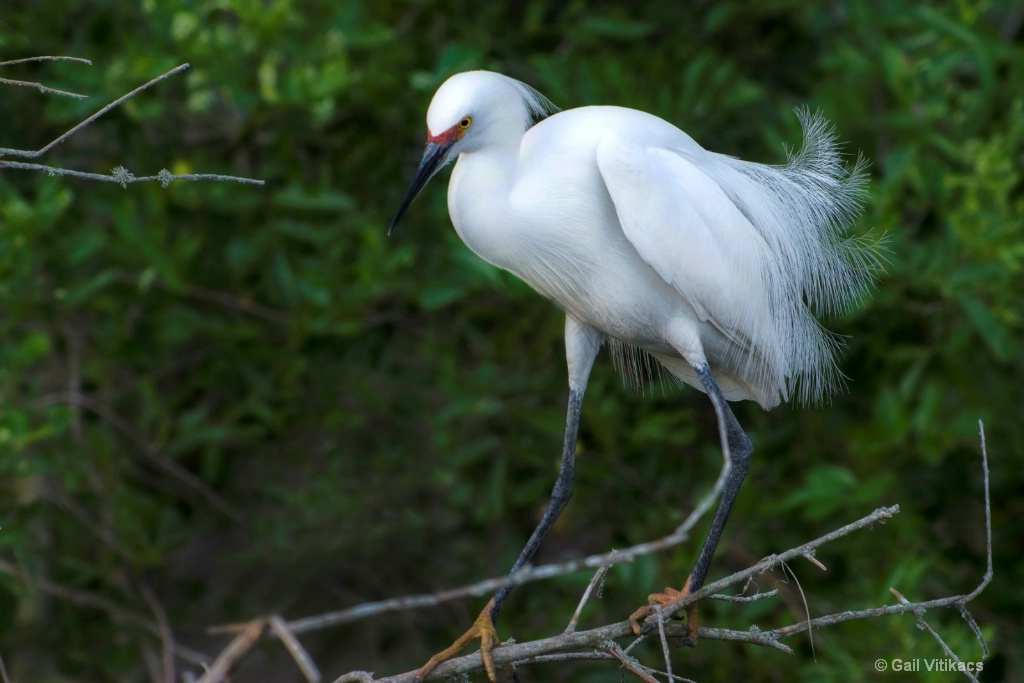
(464, 123)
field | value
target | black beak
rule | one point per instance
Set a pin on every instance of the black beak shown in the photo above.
(434, 158)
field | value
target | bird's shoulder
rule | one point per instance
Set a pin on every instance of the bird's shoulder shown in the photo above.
(585, 127)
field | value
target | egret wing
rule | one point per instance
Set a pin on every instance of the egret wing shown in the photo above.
(685, 227)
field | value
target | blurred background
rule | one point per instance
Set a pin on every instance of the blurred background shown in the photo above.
(221, 401)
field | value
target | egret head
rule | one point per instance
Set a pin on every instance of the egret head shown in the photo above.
(471, 111)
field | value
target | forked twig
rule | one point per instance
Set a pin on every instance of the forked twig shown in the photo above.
(32, 154)
(39, 86)
(119, 174)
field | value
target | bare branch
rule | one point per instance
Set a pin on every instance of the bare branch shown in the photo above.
(118, 175)
(664, 644)
(988, 520)
(124, 178)
(976, 629)
(746, 598)
(919, 614)
(803, 598)
(42, 88)
(592, 640)
(39, 86)
(631, 664)
(879, 515)
(116, 103)
(46, 58)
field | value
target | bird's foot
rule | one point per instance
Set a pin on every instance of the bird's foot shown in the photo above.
(669, 597)
(482, 628)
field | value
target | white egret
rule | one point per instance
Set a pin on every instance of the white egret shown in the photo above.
(711, 265)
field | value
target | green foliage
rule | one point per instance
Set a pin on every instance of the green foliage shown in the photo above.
(243, 401)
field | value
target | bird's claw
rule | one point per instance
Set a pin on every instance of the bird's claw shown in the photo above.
(655, 600)
(482, 628)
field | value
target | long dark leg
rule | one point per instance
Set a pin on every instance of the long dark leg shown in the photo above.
(559, 497)
(581, 345)
(738, 450)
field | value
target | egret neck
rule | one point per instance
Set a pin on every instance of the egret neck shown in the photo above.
(479, 200)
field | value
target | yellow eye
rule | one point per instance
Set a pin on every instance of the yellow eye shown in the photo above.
(465, 123)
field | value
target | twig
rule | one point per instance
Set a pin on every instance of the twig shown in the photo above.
(879, 515)
(39, 86)
(295, 649)
(664, 644)
(803, 598)
(631, 664)
(745, 598)
(976, 629)
(166, 634)
(588, 656)
(4, 678)
(42, 88)
(116, 103)
(46, 58)
(919, 615)
(988, 520)
(597, 579)
(234, 651)
(118, 175)
(124, 178)
(817, 563)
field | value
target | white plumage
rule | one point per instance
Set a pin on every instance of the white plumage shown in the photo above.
(635, 229)
(711, 265)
